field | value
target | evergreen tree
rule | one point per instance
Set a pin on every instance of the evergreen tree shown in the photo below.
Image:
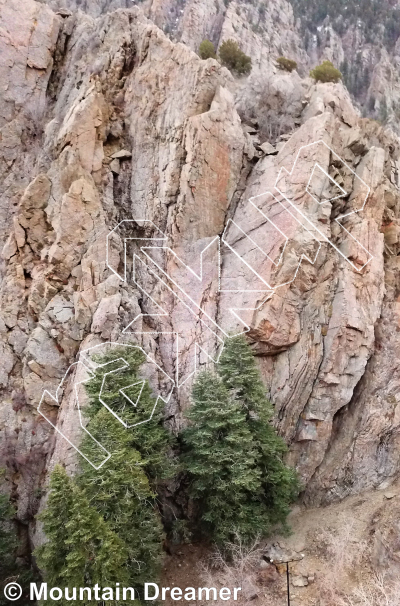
(240, 374)
(121, 493)
(81, 549)
(221, 460)
(52, 555)
(104, 526)
(11, 568)
(95, 553)
(233, 455)
(150, 439)
(7, 534)
(8, 543)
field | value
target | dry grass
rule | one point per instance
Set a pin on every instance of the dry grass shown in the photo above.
(378, 590)
(351, 581)
(349, 578)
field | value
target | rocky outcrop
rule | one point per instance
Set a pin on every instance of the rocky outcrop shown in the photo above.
(27, 45)
(120, 88)
(318, 331)
(134, 126)
(267, 30)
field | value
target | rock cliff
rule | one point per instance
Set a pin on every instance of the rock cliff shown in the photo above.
(107, 120)
(360, 38)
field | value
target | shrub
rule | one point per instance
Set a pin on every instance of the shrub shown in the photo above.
(237, 564)
(286, 64)
(236, 494)
(234, 58)
(326, 72)
(207, 50)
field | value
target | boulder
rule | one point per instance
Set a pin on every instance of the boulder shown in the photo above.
(299, 581)
(268, 149)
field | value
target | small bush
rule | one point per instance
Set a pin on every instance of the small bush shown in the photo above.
(326, 72)
(234, 58)
(207, 50)
(286, 64)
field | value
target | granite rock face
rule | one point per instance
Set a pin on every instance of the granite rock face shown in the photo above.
(133, 126)
(27, 42)
(369, 57)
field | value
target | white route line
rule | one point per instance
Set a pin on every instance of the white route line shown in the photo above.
(165, 314)
(338, 219)
(344, 192)
(88, 365)
(303, 255)
(199, 313)
(56, 399)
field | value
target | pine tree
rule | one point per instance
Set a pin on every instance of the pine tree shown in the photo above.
(96, 553)
(121, 493)
(81, 549)
(51, 556)
(124, 489)
(11, 567)
(233, 455)
(221, 461)
(240, 374)
(104, 526)
(7, 536)
(8, 540)
(150, 439)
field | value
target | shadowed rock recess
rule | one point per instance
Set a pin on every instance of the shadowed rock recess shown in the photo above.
(83, 81)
